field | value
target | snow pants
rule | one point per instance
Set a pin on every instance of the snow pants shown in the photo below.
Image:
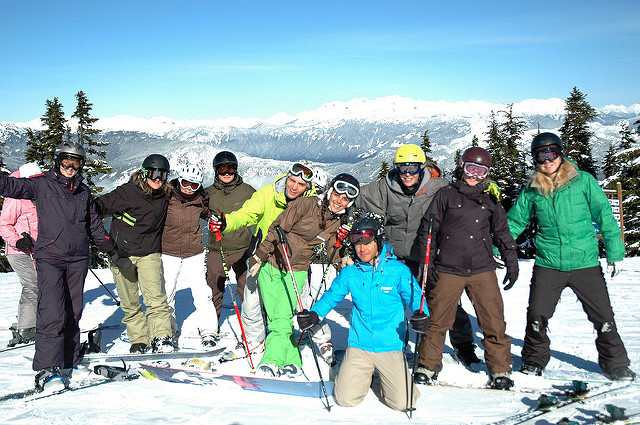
(252, 314)
(590, 287)
(280, 302)
(236, 261)
(484, 293)
(190, 269)
(24, 268)
(144, 277)
(320, 333)
(60, 290)
(354, 378)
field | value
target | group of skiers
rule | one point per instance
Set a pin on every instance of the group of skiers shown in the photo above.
(301, 220)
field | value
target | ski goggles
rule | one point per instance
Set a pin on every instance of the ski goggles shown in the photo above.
(471, 169)
(156, 174)
(186, 184)
(303, 171)
(362, 236)
(409, 168)
(69, 162)
(547, 154)
(226, 170)
(346, 188)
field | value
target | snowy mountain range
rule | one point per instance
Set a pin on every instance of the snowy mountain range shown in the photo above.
(354, 136)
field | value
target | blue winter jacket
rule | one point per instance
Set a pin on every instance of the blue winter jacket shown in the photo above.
(380, 295)
(66, 213)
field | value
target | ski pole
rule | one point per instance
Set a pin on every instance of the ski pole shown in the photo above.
(425, 272)
(104, 286)
(227, 284)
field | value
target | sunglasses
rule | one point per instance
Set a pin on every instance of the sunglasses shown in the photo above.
(346, 188)
(471, 169)
(225, 170)
(156, 174)
(409, 168)
(305, 172)
(362, 236)
(548, 154)
(189, 185)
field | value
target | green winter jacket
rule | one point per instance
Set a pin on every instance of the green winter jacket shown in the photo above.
(566, 239)
(264, 206)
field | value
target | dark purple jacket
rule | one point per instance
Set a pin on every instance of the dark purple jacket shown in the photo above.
(467, 223)
(66, 212)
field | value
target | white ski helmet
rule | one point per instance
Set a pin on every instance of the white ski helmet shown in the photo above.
(191, 173)
(319, 179)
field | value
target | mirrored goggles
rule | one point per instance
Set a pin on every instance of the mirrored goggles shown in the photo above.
(548, 154)
(346, 188)
(70, 162)
(303, 171)
(225, 170)
(189, 185)
(471, 169)
(156, 174)
(362, 236)
(409, 168)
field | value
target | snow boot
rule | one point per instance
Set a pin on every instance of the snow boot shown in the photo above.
(424, 375)
(51, 377)
(326, 350)
(291, 371)
(466, 355)
(531, 369)
(138, 348)
(501, 381)
(268, 370)
(622, 373)
(209, 340)
(162, 345)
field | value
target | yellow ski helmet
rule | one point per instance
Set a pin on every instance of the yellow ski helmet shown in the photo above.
(409, 153)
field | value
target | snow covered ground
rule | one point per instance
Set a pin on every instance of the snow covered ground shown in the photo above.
(153, 401)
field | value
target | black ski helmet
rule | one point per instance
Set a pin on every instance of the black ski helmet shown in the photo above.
(69, 150)
(224, 157)
(369, 223)
(545, 139)
(346, 178)
(477, 155)
(156, 162)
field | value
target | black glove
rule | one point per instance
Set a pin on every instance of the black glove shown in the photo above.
(122, 263)
(420, 322)
(307, 319)
(25, 243)
(510, 278)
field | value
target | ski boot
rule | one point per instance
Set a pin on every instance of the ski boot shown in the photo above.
(622, 373)
(501, 381)
(209, 339)
(268, 370)
(326, 351)
(138, 348)
(162, 345)
(51, 377)
(291, 371)
(21, 336)
(466, 355)
(531, 369)
(424, 375)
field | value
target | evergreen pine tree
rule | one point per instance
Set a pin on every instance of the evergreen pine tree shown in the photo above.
(42, 145)
(630, 179)
(95, 163)
(609, 165)
(514, 168)
(426, 146)
(384, 170)
(496, 145)
(474, 141)
(575, 132)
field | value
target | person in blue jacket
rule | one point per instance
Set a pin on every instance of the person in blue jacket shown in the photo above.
(381, 289)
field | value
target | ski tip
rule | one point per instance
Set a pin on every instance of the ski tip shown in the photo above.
(146, 374)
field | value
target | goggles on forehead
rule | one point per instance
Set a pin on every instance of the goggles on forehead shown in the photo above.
(409, 168)
(549, 154)
(303, 171)
(189, 185)
(362, 236)
(226, 170)
(156, 174)
(471, 169)
(346, 188)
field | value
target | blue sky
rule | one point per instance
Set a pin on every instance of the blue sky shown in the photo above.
(218, 59)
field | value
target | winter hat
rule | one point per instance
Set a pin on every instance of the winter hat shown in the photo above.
(29, 169)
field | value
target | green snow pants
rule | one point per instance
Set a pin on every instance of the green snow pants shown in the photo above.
(280, 302)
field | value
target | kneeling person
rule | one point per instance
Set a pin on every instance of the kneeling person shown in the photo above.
(381, 288)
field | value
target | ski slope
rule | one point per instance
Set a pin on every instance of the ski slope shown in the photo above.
(154, 401)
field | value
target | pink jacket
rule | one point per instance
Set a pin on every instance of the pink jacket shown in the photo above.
(18, 215)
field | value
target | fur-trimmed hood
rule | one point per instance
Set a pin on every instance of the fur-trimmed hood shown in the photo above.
(567, 171)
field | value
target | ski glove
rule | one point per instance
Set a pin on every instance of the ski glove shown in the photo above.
(25, 244)
(611, 268)
(217, 224)
(254, 265)
(307, 319)
(122, 263)
(510, 278)
(420, 322)
(343, 232)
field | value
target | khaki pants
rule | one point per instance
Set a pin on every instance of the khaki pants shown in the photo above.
(144, 277)
(354, 378)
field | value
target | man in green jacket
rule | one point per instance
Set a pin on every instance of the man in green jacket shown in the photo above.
(566, 201)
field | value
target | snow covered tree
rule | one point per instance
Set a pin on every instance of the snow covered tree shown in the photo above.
(41, 145)
(513, 166)
(95, 163)
(474, 141)
(426, 146)
(384, 170)
(609, 166)
(575, 132)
